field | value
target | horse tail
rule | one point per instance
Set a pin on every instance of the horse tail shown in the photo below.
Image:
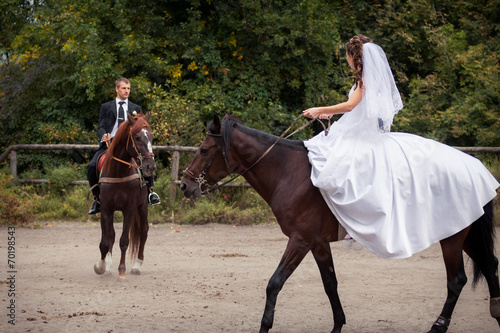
(481, 239)
(135, 234)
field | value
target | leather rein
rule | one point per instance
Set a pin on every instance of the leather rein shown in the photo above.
(139, 156)
(211, 188)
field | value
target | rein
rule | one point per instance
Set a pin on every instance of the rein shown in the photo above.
(201, 178)
(139, 155)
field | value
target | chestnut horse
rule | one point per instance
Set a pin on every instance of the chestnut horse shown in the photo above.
(122, 189)
(282, 178)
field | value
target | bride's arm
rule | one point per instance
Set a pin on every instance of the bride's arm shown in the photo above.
(343, 107)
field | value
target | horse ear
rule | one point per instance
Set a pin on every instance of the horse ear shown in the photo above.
(216, 123)
(146, 117)
(131, 119)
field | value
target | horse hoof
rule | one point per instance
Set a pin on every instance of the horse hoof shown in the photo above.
(135, 271)
(337, 330)
(122, 278)
(99, 269)
(438, 329)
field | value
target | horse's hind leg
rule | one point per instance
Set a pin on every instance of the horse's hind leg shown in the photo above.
(455, 275)
(296, 250)
(323, 256)
(480, 246)
(491, 275)
(144, 228)
(489, 269)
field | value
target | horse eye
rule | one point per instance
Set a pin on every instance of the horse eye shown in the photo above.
(203, 151)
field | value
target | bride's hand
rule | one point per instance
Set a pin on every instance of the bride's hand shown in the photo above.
(325, 116)
(311, 113)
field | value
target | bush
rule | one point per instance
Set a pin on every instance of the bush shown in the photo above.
(16, 205)
(216, 209)
(61, 179)
(72, 206)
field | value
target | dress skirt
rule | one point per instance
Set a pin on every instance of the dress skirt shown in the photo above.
(398, 193)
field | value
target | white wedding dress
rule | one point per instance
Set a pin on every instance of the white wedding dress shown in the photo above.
(394, 193)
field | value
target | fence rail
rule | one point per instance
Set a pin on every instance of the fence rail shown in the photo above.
(12, 150)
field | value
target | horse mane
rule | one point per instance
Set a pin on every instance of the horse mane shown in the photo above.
(229, 122)
(119, 141)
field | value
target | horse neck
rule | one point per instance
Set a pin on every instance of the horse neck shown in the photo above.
(277, 171)
(117, 168)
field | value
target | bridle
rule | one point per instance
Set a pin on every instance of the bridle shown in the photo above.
(139, 157)
(201, 181)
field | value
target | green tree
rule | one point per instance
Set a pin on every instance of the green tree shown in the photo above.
(263, 61)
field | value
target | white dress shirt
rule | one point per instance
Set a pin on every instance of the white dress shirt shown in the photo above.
(125, 108)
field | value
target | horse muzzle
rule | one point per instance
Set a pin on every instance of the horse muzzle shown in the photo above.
(190, 189)
(148, 167)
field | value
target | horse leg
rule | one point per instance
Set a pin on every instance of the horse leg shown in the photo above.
(295, 251)
(143, 216)
(323, 255)
(106, 244)
(111, 240)
(124, 241)
(455, 275)
(491, 275)
(479, 245)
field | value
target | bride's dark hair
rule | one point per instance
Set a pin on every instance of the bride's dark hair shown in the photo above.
(355, 49)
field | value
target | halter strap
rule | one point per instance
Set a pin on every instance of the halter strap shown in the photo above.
(139, 155)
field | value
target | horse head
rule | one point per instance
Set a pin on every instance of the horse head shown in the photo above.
(139, 145)
(210, 163)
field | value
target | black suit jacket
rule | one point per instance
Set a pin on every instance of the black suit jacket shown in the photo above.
(107, 118)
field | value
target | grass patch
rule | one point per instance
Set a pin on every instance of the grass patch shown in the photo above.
(60, 201)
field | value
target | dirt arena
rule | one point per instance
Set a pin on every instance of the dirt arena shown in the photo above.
(212, 278)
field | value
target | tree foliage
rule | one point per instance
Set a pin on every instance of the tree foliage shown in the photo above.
(263, 61)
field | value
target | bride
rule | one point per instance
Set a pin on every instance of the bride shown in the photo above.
(395, 193)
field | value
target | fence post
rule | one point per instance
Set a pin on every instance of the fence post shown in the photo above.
(13, 163)
(175, 174)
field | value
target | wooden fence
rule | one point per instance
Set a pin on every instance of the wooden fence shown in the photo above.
(12, 150)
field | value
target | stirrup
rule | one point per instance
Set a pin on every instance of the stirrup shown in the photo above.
(152, 195)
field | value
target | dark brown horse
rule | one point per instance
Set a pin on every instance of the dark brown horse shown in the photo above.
(122, 189)
(282, 178)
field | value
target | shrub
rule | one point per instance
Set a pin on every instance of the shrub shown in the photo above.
(61, 178)
(16, 205)
(214, 209)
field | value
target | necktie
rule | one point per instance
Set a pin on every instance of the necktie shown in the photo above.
(121, 113)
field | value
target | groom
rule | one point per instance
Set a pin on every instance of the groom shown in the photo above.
(112, 114)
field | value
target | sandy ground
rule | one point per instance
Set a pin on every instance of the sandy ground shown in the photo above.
(213, 278)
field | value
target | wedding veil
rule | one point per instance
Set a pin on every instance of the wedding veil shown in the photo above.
(382, 98)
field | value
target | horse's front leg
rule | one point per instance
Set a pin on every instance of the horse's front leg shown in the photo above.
(455, 275)
(106, 244)
(296, 250)
(323, 255)
(124, 241)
